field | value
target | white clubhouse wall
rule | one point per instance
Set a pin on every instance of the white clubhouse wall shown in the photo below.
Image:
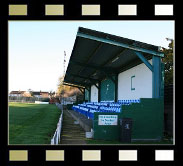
(94, 93)
(142, 82)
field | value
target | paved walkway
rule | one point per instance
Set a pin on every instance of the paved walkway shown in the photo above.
(71, 133)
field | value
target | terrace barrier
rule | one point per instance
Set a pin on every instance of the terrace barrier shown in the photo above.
(56, 137)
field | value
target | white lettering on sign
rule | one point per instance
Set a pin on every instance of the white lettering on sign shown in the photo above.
(108, 120)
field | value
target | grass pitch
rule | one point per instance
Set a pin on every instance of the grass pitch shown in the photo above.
(32, 123)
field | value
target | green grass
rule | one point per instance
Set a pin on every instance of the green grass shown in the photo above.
(32, 123)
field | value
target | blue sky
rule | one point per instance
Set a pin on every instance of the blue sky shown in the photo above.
(36, 48)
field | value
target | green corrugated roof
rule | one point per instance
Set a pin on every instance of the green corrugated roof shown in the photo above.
(95, 52)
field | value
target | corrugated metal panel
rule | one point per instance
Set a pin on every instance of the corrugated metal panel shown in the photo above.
(118, 38)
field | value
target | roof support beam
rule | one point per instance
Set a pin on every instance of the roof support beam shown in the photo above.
(77, 83)
(110, 60)
(110, 77)
(131, 64)
(112, 70)
(116, 43)
(94, 84)
(144, 60)
(92, 79)
(91, 55)
(156, 73)
(82, 91)
(73, 85)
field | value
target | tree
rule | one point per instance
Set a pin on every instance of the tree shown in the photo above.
(65, 90)
(51, 93)
(31, 92)
(168, 61)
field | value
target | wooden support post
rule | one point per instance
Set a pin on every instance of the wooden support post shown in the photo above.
(116, 88)
(156, 90)
(84, 94)
(99, 91)
(90, 94)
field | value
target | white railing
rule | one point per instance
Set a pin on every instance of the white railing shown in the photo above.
(60, 106)
(57, 135)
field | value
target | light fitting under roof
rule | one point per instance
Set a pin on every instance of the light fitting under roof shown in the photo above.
(115, 59)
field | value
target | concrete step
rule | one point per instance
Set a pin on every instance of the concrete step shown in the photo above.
(71, 133)
(85, 123)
